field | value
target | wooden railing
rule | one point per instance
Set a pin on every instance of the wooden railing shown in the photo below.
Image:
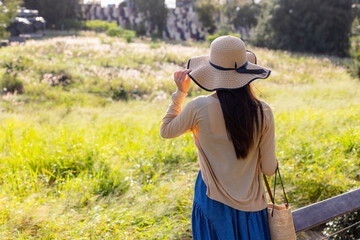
(316, 214)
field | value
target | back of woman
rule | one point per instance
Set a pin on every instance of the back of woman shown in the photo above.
(234, 134)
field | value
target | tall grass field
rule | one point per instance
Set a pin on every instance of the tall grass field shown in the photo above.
(81, 156)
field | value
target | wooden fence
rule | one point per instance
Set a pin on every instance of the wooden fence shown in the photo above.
(316, 214)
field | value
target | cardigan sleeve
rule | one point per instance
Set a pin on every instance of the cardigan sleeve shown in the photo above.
(268, 159)
(177, 121)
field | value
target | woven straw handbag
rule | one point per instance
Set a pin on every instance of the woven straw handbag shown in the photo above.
(280, 218)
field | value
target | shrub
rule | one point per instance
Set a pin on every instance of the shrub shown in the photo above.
(129, 35)
(10, 83)
(70, 24)
(115, 32)
(14, 66)
(99, 26)
(140, 29)
(154, 36)
(119, 93)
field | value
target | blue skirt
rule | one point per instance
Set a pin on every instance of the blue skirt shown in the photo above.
(213, 220)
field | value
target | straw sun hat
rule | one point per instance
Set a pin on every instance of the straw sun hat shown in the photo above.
(229, 66)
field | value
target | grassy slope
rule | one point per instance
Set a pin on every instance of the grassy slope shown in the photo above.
(76, 164)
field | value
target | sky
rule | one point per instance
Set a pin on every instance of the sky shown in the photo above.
(169, 3)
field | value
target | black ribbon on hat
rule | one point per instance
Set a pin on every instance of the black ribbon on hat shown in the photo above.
(241, 69)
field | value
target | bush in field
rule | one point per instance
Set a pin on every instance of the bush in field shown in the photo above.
(128, 35)
(306, 26)
(119, 93)
(140, 29)
(10, 83)
(99, 26)
(115, 32)
(70, 24)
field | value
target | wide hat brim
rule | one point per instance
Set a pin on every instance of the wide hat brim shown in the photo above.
(210, 78)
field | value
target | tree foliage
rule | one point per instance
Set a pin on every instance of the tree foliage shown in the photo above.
(355, 49)
(155, 12)
(306, 26)
(242, 16)
(206, 11)
(55, 12)
(8, 11)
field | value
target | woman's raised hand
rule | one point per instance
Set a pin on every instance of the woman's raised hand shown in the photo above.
(182, 80)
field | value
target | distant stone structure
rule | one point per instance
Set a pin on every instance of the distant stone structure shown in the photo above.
(180, 3)
(182, 22)
(27, 22)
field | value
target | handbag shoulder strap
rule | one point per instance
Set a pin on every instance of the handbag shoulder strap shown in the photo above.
(268, 189)
(282, 185)
(272, 197)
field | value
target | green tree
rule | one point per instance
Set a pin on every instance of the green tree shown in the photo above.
(8, 11)
(355, 49)
(55, 12)
(356, 8)
(306, 26)
(155, 12)
(242, 16)
(206, 11)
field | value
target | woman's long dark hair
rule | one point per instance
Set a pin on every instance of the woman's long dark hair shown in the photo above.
(241, 108)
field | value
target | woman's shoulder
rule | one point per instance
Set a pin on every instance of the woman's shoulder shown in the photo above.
(265, 105)
(267, 111)
(202, 100)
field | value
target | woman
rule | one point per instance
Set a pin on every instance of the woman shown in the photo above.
(235, 137)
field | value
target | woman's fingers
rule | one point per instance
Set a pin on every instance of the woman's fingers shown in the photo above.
(182, 76)
(181, 80)
(184, 73)
(176, 74)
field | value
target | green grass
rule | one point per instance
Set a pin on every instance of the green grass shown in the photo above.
(75, 163)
